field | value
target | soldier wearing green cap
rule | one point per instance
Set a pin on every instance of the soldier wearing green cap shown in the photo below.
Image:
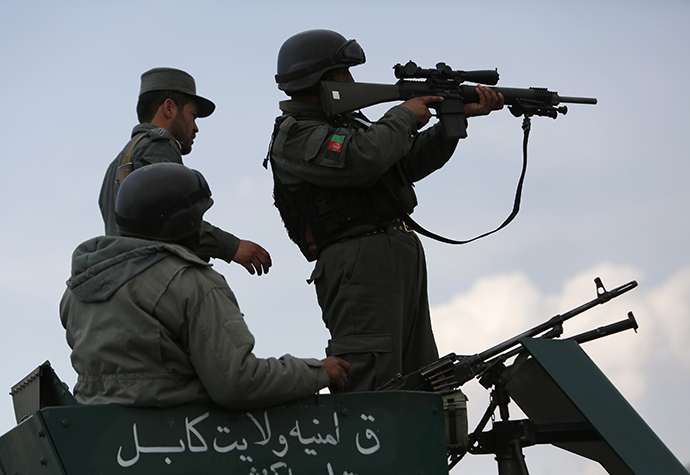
(167, 109)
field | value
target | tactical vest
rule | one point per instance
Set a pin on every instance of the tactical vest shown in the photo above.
(317, 216)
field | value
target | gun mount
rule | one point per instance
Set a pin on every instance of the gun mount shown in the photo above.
(452, 371)
(568, 400)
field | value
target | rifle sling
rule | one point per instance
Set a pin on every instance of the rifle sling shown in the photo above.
(127, 167)
(526, 125)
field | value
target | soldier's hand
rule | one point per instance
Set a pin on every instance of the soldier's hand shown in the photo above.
(418, 105)
(338, 370)
(253, 257)
(488, 101)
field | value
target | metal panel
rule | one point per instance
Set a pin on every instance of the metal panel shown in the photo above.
(27, 450)
(362, 433)
(41, 388)
(574, 388)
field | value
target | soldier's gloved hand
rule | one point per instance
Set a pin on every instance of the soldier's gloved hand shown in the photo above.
(338, 370)
(253, 257)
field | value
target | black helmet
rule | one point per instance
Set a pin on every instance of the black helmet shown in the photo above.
(304, 58)
(163, 202)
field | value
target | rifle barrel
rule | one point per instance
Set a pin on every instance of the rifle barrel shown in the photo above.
(513, 95)
(579, 100)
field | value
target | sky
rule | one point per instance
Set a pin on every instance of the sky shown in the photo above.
(606, 193)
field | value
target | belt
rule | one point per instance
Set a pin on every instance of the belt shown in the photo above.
(396, 225)
(393, 226)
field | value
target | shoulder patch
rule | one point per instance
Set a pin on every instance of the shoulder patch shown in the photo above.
(335, 148)
(336, 143)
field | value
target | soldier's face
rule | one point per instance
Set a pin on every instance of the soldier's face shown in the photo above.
(184, 127)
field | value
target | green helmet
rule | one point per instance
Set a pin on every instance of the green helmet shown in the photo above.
(306, 56)
(163, 202)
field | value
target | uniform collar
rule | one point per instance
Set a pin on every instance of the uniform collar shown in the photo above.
(302, 108)
(155, 131)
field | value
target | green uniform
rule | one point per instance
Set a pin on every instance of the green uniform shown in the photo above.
(152, 325)
(158, 145)
(371, 279)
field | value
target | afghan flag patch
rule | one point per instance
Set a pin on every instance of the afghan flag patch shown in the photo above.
(335, 146)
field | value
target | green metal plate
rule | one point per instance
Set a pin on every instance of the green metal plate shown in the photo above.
(600, 403)
(356, 433)
(27, 449)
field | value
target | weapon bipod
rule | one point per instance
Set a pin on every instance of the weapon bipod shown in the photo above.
(508, 437)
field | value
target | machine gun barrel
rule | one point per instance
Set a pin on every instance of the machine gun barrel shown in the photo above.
(606, 330)
(452, 371)
(556, 322)
(627, 324)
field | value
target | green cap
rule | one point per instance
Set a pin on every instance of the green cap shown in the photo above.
(170, 79)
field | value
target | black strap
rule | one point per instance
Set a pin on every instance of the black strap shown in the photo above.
(526, 125)
(127, 167)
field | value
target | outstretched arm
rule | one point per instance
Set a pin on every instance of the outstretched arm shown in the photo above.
(220, 244)
(253, 257)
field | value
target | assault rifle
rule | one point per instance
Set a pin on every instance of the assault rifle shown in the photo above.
(341, 97)
(447, 374)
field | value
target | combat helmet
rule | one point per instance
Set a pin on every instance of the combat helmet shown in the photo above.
(306, 56)
(163, 202)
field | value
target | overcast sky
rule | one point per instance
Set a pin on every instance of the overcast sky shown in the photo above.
(606, 193)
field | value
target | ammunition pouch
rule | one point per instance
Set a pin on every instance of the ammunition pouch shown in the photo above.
(315, 217)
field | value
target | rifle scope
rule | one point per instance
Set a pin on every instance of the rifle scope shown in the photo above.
(443, 72)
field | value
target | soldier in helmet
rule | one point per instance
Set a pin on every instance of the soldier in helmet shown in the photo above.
(151, 324)
(343, 186)
(167, 109)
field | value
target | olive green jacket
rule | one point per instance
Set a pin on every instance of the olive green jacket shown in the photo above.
(150, 324)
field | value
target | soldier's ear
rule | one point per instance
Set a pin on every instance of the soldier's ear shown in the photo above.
(168, 108)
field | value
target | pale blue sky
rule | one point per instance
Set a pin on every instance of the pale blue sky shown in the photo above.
(606, 190)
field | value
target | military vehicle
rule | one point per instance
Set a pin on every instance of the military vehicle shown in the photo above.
(416, 424)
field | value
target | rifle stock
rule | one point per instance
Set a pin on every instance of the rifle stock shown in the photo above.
(341, 97)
